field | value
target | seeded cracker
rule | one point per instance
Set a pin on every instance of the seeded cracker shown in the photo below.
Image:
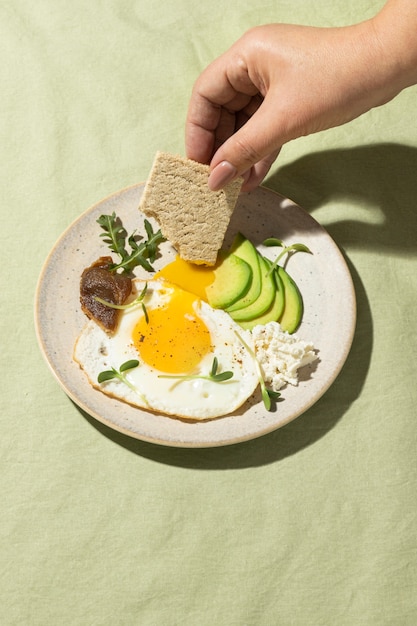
(193, 218)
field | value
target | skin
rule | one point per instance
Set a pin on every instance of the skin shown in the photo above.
(280, 81)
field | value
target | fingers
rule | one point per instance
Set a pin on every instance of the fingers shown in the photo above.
(231, 123)
(257, 173)
(225, 172)
(202, 120)
(216, 103)
(250, 151)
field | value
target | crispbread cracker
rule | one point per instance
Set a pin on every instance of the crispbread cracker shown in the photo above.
(191, 216)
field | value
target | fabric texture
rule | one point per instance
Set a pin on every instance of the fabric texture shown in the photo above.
(314, 524)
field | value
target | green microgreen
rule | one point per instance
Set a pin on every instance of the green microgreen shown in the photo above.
(214, 375)
(119, 374)
(295, 247)
(129, 305)
(218, 377)
(267, 394)
(116, 237)
(273, 241)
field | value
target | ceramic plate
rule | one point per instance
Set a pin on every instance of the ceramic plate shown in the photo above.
(329, 317)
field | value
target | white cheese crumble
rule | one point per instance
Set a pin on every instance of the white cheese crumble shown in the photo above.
(280, 354)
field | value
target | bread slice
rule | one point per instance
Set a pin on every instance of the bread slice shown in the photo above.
(191, 216)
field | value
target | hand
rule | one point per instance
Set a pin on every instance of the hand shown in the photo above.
(279, 82)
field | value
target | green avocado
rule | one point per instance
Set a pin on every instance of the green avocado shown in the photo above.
(263, 301)
(244, 249)
(232, 279)
(275, 310)
(294, 306)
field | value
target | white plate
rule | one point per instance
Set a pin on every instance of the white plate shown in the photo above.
(329, 317)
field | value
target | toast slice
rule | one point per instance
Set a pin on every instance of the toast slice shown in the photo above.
(191, 216)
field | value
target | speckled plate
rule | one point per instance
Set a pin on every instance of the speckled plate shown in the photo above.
(329, 317)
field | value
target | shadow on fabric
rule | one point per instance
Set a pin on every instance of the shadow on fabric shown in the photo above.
(384, 177)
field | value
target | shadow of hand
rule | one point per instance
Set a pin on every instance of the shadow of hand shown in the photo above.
(381, 177)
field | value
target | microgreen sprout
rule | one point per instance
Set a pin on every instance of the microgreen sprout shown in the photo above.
(214, 375)
(120, 375)
(115, 236)
(295, 247)
(267, 394)
(129, 305)
(218, 377)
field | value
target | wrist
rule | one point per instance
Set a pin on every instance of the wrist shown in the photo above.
(395, 28)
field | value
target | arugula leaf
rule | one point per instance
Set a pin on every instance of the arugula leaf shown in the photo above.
(114, 234)
(143, 253)
(152, 245)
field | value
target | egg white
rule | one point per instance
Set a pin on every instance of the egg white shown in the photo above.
(197, 399)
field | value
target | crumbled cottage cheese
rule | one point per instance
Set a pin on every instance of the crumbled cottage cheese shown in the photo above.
(280, 354)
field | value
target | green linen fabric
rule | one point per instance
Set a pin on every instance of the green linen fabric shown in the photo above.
(314, 524)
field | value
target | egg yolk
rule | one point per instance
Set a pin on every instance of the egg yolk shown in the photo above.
(174, 339)
(188, 276)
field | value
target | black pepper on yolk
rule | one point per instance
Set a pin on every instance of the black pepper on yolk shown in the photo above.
(174, 339)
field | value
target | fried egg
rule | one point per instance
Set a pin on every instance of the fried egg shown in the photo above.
(175, 337)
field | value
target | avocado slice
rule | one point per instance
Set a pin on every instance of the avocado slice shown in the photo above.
(232, 279)
(275, 310)
(294, 306)
(244, 249)
(263, 301)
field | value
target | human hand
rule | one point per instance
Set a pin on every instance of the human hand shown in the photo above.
(279, 82)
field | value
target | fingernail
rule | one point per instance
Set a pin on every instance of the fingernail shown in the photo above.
(222, 174)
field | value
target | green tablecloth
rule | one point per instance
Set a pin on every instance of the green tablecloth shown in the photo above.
(312, 524)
